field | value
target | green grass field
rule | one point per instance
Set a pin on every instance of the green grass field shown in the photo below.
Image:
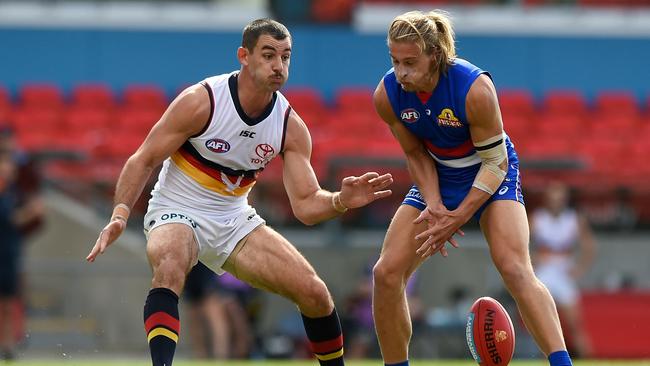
(308, 363)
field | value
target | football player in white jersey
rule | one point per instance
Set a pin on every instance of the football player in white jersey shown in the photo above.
(213, 141)
(564, 249)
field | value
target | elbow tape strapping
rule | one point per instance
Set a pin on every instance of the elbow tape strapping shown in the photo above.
(492, 153)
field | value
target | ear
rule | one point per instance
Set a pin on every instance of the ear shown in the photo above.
(242, 55)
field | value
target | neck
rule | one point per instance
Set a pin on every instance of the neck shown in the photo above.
(252, 99)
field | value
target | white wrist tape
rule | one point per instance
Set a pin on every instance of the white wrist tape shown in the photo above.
(492, 153)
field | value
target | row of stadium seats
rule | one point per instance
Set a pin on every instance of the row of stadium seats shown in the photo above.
(152, 96)
(607, 141)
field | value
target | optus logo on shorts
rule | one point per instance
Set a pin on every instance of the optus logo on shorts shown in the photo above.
(218, 145)
(409, 115)
(174, 216)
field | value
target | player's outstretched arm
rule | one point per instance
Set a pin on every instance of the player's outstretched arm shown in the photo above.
(186, 116)
(310, 203)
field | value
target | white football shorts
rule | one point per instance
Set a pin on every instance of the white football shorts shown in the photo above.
(216, 234)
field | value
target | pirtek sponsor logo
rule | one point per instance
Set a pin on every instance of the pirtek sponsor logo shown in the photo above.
(490, 343)
(172, 216)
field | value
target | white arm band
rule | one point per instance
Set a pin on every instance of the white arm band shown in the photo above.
(492, 153)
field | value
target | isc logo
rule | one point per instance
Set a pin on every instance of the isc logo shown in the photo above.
(409, 115)
(217, 145)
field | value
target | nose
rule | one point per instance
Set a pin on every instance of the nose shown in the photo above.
(401, 73)
(277, 64)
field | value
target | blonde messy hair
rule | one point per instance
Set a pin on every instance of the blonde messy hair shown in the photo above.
(431, 32)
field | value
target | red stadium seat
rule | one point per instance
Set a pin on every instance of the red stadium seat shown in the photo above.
(36, 119)
(355, 99)
(41, 95)
(144, 96)
(561, 125)
(137, 121)
(623, 102)
(86, 118)
(570, 102)
(305, 100)
(513, 101)
(93, 95)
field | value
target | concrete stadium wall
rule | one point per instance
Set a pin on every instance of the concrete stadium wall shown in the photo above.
(323, 58)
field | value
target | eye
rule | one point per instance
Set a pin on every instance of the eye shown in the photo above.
(267, 56)
(286, 57)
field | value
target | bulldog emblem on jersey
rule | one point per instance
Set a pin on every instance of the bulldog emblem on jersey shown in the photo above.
(446, 118)
(409, 115)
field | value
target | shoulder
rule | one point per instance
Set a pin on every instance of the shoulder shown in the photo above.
(297, 135)
(482, 95)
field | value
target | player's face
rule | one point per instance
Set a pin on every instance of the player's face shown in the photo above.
(269, 62)
(413, 68)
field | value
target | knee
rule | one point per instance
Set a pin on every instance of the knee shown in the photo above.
(387, 276)
(314, 298)
(169, 273)
(516, 276)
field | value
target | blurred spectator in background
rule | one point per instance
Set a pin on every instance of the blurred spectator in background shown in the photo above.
(361, 340)
(221, 314)
(208, 321)
(9, 254)
(21, 213)
(558, 231)
(242, 305)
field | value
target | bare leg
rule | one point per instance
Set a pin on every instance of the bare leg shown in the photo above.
(6, 325)
(217, 321)
(505, 227)
(242, 338)
(571, 315)
(197, 332)
(171, 250)
(268, 261)
(397, 262)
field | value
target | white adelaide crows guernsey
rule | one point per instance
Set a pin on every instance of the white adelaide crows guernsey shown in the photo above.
(215, 169)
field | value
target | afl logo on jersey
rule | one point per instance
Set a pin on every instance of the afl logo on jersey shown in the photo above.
(409, 115)
(217, 145)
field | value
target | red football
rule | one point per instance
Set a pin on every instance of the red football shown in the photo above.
(489, 332)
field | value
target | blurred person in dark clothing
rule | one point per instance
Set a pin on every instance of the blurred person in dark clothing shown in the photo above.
(21, 212)
(9, 254)
(208, 320)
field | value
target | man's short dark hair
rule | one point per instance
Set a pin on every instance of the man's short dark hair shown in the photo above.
(258, 27)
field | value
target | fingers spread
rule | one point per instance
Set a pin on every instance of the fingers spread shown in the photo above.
(382, 194)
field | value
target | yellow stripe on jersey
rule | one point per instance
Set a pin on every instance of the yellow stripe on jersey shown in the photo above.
(162, 332)
(330, 356)
(207, 181)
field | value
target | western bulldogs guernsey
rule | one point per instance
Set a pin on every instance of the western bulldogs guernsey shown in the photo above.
(215, 170)
(440, 121)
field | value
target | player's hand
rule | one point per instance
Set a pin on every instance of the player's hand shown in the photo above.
(360, 191)
(106, 237)
(442, 224)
